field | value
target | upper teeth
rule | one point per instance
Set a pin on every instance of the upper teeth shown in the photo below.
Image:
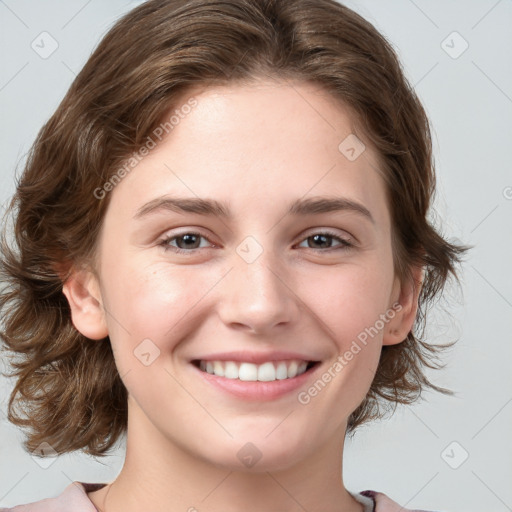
(252, 372)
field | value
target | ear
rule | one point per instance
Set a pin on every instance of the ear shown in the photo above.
(405, 306)
(83, 293)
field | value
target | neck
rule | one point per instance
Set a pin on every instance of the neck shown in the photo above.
(160, 475)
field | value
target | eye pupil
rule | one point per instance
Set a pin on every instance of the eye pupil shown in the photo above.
(189, 240)
(316, 238)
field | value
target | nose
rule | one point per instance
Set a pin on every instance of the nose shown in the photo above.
(258, 296)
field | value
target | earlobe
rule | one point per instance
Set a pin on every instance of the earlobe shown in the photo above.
(405, 308)
(83, 294)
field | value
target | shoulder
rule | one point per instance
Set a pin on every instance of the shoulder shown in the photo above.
(375, 501)
(74, 495)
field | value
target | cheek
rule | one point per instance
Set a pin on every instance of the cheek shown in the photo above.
(156, 301)
(349, 303)
(349, 298)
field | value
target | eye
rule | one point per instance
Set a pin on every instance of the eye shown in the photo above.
(186, 242)
(325, 238)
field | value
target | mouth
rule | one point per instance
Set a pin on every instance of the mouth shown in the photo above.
(269, 371)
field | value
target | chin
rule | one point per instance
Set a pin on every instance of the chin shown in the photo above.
(257, 456)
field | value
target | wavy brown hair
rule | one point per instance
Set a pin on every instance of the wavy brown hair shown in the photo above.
(67, 390)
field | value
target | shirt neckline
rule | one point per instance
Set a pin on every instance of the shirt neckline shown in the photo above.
(366, 498)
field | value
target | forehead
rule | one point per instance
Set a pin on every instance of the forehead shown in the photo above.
(264, 144)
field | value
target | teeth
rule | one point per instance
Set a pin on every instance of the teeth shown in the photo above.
(292, 369)
(217, 369)
(248, 371)
(281, 371)
(265, 372)
(231, 370)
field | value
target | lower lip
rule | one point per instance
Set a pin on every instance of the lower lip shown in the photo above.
(257, 390)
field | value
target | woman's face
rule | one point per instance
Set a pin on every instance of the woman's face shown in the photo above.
(271, 279)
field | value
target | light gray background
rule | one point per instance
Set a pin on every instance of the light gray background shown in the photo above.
(469, 100)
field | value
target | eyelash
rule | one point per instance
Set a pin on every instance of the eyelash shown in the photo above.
(344, 243)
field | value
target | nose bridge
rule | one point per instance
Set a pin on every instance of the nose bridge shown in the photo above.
(257, 295)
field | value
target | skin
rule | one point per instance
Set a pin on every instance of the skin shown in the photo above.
(257, 148)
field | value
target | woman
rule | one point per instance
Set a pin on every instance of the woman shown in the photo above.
(283, 139)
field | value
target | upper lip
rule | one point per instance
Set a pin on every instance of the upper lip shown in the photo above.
(255, 357)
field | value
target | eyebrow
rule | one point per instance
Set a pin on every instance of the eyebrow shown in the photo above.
(211, 207)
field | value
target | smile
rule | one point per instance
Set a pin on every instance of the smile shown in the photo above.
(265, 372)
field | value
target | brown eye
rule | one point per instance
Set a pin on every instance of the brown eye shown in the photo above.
(185, 242)
(324, 240)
